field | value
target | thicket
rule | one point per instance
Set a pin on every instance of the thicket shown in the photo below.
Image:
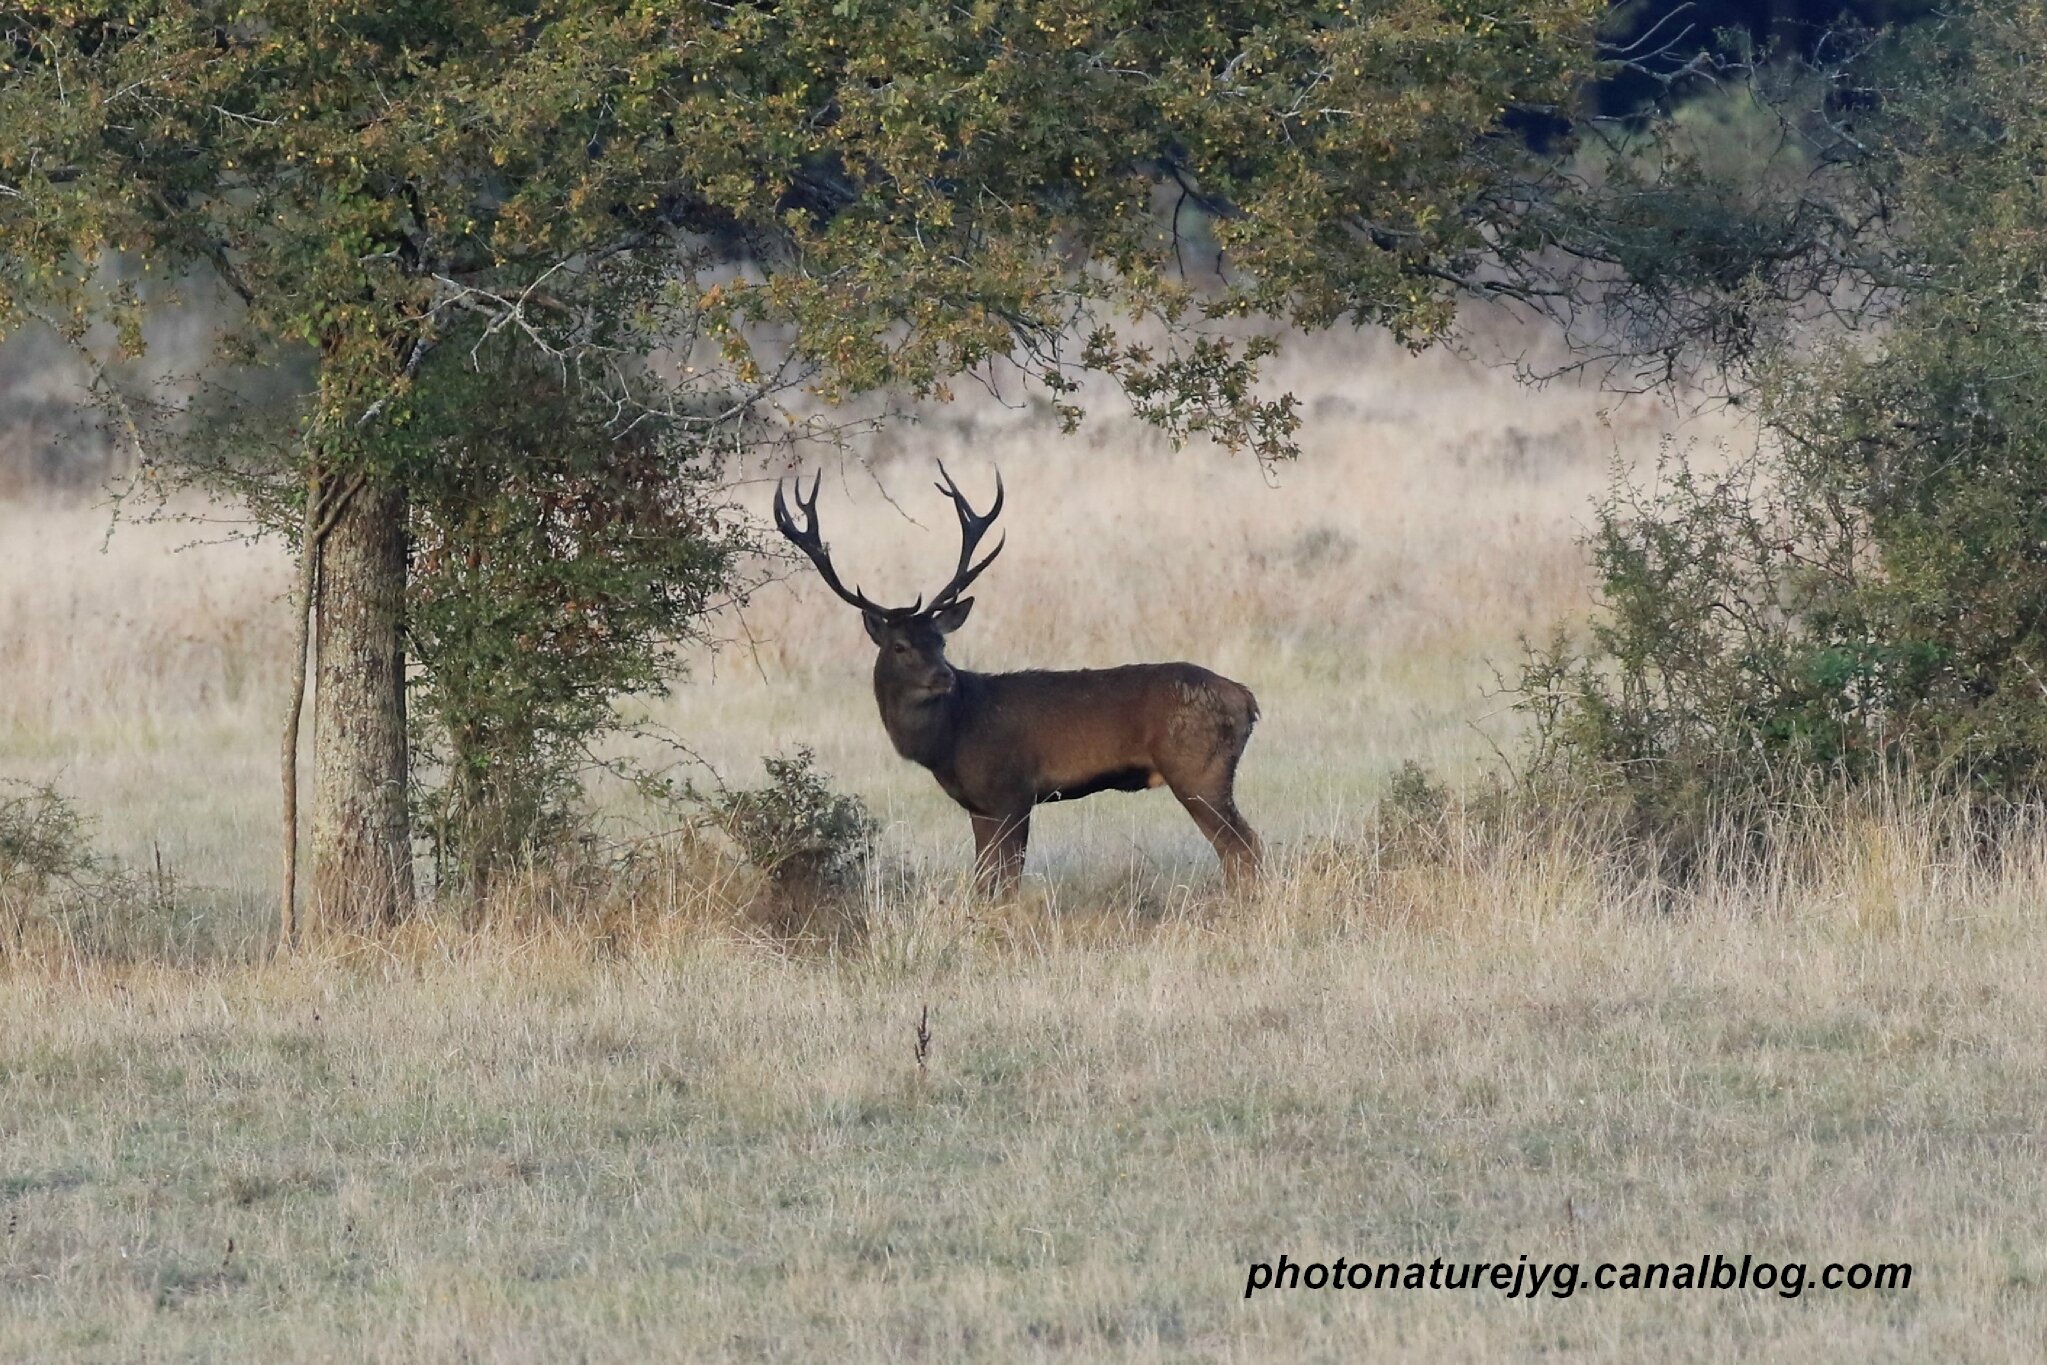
(560, 551)
(1863, 595)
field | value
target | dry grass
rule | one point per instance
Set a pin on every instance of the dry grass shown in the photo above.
(481, 1149)
(682, 1134)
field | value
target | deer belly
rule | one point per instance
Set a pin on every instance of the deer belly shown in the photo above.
(1132, 779)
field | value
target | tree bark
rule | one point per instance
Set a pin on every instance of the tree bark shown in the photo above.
(362, 835)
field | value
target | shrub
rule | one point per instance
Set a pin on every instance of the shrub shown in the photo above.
(559, 552)
(61, 898)
(1726, 658)
(805, 836)
(1865, 594)
(42, 841)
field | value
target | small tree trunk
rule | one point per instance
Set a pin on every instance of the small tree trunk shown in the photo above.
(302, 627)
(362, 835)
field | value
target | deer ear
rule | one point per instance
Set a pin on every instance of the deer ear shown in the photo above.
(952, 616)
(872, 620)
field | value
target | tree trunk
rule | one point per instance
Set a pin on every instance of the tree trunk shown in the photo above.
(362, 835)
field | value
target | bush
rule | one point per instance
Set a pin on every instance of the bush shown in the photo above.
(1865, 595)
(42, 841)
(559, 552)
(59, 898)
(806, 837)
(1727, 659)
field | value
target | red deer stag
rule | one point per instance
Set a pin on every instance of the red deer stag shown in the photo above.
(1000, 743)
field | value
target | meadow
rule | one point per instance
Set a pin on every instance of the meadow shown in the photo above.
(687, 1136)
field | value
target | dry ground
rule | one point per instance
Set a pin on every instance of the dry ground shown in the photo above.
(700, 1144)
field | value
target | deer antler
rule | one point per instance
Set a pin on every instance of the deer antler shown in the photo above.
(806, 539)
(973, 527)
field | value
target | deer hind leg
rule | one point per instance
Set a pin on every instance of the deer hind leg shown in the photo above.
(1210, 797)
(1205, 741)
(999, 845)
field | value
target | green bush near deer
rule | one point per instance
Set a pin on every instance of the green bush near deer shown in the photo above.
(561, 552)
(808, 838)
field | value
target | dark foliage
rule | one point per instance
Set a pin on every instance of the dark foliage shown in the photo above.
(561, 548)
(1866, 594)
(807, 837)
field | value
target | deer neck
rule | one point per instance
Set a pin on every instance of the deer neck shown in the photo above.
(922, 730)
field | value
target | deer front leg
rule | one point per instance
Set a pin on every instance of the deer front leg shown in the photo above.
(999, 845)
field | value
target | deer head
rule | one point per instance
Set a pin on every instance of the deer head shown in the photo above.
(911, 639)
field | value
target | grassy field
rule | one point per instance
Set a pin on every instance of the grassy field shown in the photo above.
(686, 1138)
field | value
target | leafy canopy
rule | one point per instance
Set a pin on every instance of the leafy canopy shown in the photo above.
(837, 194)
